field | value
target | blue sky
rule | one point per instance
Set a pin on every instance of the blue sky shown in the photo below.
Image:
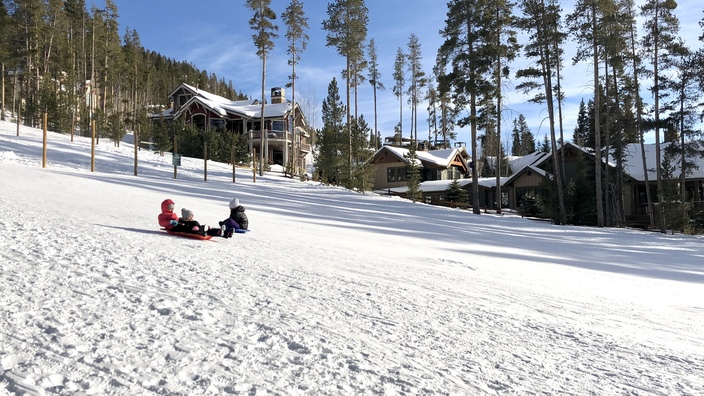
(215, 36)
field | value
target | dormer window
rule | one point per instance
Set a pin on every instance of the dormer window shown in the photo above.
(182, 99)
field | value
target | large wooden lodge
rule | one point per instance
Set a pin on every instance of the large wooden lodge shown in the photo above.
(206, 110)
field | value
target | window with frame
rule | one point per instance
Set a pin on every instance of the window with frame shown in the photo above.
(396, 174)
(216, 123)
(182, 99)
(278, 126)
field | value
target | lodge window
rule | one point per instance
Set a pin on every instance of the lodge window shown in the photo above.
(198, 121)
(277, 126)
(396, 174)
(182, 99)
(216, 123)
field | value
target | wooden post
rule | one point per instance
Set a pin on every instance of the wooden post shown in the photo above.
(2, 92)
(92, 146)
(19, 117)
(44, 142)
(233, 158)
(205, 161)
(254, 165)
(175, 172)
(136, 146)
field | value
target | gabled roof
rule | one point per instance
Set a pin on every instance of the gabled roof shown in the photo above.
(248, 108)
(438, 158)
(516, 163)
(633, 163)
(523, 170)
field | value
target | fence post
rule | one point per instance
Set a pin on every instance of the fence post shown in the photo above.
(44, 142)
(92, 146)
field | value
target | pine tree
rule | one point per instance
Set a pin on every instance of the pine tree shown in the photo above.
(455, 193)
(375, 81)
(347, 30)
(363, 171)
(515, 139)
(541, 19)
(265, 32)
(527, 138)
(414, 193)
(465, 52)
(296, 27)
(417, 81)
(330, 139)
(503, 47)
(4, 45)
(682, 106)
(545, 145)
(400, 83)
(660, 26)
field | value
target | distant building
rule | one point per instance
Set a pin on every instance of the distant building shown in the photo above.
(390, 161)
(529, 173)
(206, 110)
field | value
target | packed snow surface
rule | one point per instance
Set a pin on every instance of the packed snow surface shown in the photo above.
(332, 292)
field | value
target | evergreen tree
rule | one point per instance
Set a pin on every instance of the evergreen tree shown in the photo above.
(545, 145)
(515, 139)
(660, 28)
(265, 32)
(417, 81)
(363, 171)
(448, 112)
(375, 81)
(580, 199)
(585, 24)
(465, 52)
(503, 47)
(541, 19)
(682, 106)
(433, 107)
(161, 137)
(329, 159)
(400, 83)
(582, 129)
(414, 193)
(672, 210)
(4, 54)
(296, 27)
(527, 138)
(632, 54)
(455, 193)
(347, 30)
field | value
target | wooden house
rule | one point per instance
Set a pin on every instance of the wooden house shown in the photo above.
(243, 117)
(391, 166)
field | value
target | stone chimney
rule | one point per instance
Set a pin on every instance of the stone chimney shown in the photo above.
(278, 95)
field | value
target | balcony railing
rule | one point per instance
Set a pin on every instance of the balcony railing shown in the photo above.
(279, 137)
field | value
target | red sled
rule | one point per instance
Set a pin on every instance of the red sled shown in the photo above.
(190, 235)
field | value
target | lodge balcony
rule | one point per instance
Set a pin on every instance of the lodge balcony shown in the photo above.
(277, 140)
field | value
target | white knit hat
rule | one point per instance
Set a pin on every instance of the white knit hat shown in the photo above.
(234, 203)
(185, 213)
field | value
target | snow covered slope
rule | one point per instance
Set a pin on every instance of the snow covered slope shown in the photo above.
(332, 292)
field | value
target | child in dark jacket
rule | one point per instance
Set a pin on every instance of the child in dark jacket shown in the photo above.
(188, 225)
(171, 222)
(237, 222)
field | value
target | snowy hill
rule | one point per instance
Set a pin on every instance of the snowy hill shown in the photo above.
(332, 292)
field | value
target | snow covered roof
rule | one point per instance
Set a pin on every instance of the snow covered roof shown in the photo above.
(518, 163)
(633, 164)
(248, 108)
(442, 185)
(441, 158)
